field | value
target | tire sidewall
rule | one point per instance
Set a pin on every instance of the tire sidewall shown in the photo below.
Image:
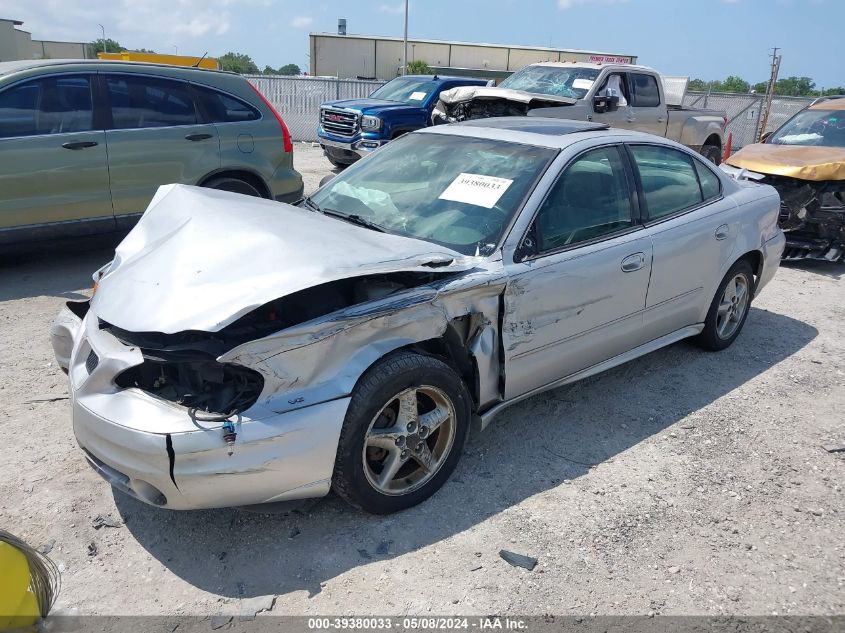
(712, 154)
(711, 337)
(364, 406)
(233, 185)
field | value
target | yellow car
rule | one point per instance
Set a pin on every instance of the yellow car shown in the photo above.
(805, 161)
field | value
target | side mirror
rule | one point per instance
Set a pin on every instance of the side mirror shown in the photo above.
(765, 137)
(326, 179)
(604, 103)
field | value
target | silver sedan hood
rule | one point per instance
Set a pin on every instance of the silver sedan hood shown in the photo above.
(199, 259)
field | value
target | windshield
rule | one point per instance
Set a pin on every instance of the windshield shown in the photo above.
(553, 80)
(825, 128)
(406, 90)
(455, 191)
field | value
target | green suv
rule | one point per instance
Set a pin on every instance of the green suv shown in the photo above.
(85, 144)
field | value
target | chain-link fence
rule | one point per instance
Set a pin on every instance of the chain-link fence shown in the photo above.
(298, 99)
(744, 111)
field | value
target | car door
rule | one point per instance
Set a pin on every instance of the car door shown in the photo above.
(693, 230)
(52, 155)
(156, 137)
(647, 113)
(577, 296)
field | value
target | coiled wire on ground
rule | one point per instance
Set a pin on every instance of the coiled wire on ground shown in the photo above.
(44, 578)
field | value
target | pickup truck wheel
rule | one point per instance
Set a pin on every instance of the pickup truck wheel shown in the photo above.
(729, 308)
(235, 185)
(403, 434)
(712, 153)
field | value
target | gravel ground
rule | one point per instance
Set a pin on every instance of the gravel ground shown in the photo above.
(681, 483)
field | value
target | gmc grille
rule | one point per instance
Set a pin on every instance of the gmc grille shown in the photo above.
(340, 122)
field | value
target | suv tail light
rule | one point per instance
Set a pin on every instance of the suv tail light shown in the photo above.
(285, 133)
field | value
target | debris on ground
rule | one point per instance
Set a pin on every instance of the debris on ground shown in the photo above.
(105, 521)
(834, 448)
(253, 606)
(92, 549)
(46, 548)
(518, 560)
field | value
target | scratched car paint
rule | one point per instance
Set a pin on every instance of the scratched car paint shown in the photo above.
(240, 351)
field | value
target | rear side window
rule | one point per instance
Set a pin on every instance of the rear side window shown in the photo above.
(53, 105)
(668, 178)
(645, 93)
(710, 185)
(145, 102)
(222, 108)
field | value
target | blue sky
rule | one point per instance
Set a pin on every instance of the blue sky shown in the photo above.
(701, 38)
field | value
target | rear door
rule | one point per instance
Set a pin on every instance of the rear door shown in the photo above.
(156, 137)
(647, 113)
(52, 155)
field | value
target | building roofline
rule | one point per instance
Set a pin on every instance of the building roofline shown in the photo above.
(15, 22)
(455, 43)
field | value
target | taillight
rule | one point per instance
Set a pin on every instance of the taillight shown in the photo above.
(285, 133)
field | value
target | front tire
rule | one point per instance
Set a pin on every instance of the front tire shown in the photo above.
(729, 308)
(403, 435)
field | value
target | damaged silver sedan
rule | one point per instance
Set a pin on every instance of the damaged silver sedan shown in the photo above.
(239, 351)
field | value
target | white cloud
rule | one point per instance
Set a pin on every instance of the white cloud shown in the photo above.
(568, 4)
(397, 8)
(302, 21)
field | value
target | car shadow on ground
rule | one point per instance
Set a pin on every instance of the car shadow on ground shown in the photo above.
(56, 269)
(834, 270)
(238, 554)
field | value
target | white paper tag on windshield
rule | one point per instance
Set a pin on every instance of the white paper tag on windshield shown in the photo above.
(482, 191)
(583, 84)
(417, 96)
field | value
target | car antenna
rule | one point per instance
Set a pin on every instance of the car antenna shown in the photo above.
(199, 61)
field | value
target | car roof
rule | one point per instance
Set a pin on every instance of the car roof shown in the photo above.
(7, 68)
(596, 66)
(538, 131)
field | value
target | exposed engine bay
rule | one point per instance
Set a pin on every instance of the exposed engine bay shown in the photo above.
(812, 217)
(183, 368)
(470, 102)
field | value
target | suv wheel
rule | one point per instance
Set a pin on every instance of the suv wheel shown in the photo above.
(403, 434)
(235, 185)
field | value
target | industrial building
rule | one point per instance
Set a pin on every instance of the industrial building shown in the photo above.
(18, 44)
(375, 57)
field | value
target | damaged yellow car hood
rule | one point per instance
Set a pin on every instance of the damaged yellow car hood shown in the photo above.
(795, 161)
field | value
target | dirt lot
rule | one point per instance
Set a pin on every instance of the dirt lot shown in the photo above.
(681, 483)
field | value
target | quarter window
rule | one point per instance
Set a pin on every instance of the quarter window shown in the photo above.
(223, 108)
(53, 105)
(645, 92)
(710, 186)
(668, 179)
(590, 200)
(144, 102)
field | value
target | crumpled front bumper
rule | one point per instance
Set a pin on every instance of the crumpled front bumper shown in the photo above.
(152, 449)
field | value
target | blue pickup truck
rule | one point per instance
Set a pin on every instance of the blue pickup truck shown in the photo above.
(351, 128)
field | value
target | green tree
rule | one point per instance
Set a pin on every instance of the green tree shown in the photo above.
(735, 84)
(795, 86)
(238, 62)
(697, 85)
(760, 87)
(269, 70)
(290, 69)
(107, 45)
(419, 67)
(834, 91)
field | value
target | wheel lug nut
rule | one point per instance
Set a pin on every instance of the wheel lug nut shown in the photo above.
(423, 432)
(419, 447)
(410, 426)
(400, 441)
(405, 454)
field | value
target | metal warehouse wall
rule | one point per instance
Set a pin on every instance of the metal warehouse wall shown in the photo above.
(351, 56)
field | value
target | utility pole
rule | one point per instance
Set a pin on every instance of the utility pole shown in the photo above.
(105, 47)
(770, 92)
(405, 52)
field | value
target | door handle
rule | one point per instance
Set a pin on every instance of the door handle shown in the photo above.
(197, 137)
(633, 262)
(661, 119)
(79, 144)
(722, 232)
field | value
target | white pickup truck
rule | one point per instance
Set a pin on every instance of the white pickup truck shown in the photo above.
(621, 95)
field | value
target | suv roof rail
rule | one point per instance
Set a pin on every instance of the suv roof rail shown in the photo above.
(826, 98)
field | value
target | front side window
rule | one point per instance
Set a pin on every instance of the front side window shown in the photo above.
(553, 80)
(645, 93)
(223, 108)
(52, 105)
(590, 200)
(668, 179)
(144, 102)
(456, 191)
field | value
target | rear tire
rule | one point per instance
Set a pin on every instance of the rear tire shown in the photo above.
(403, 434)
(234, 185)
(712, 153)
(729, 308)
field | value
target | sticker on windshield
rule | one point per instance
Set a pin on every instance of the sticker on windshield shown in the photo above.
(583, 84)
(482, 191)
(417, 96)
